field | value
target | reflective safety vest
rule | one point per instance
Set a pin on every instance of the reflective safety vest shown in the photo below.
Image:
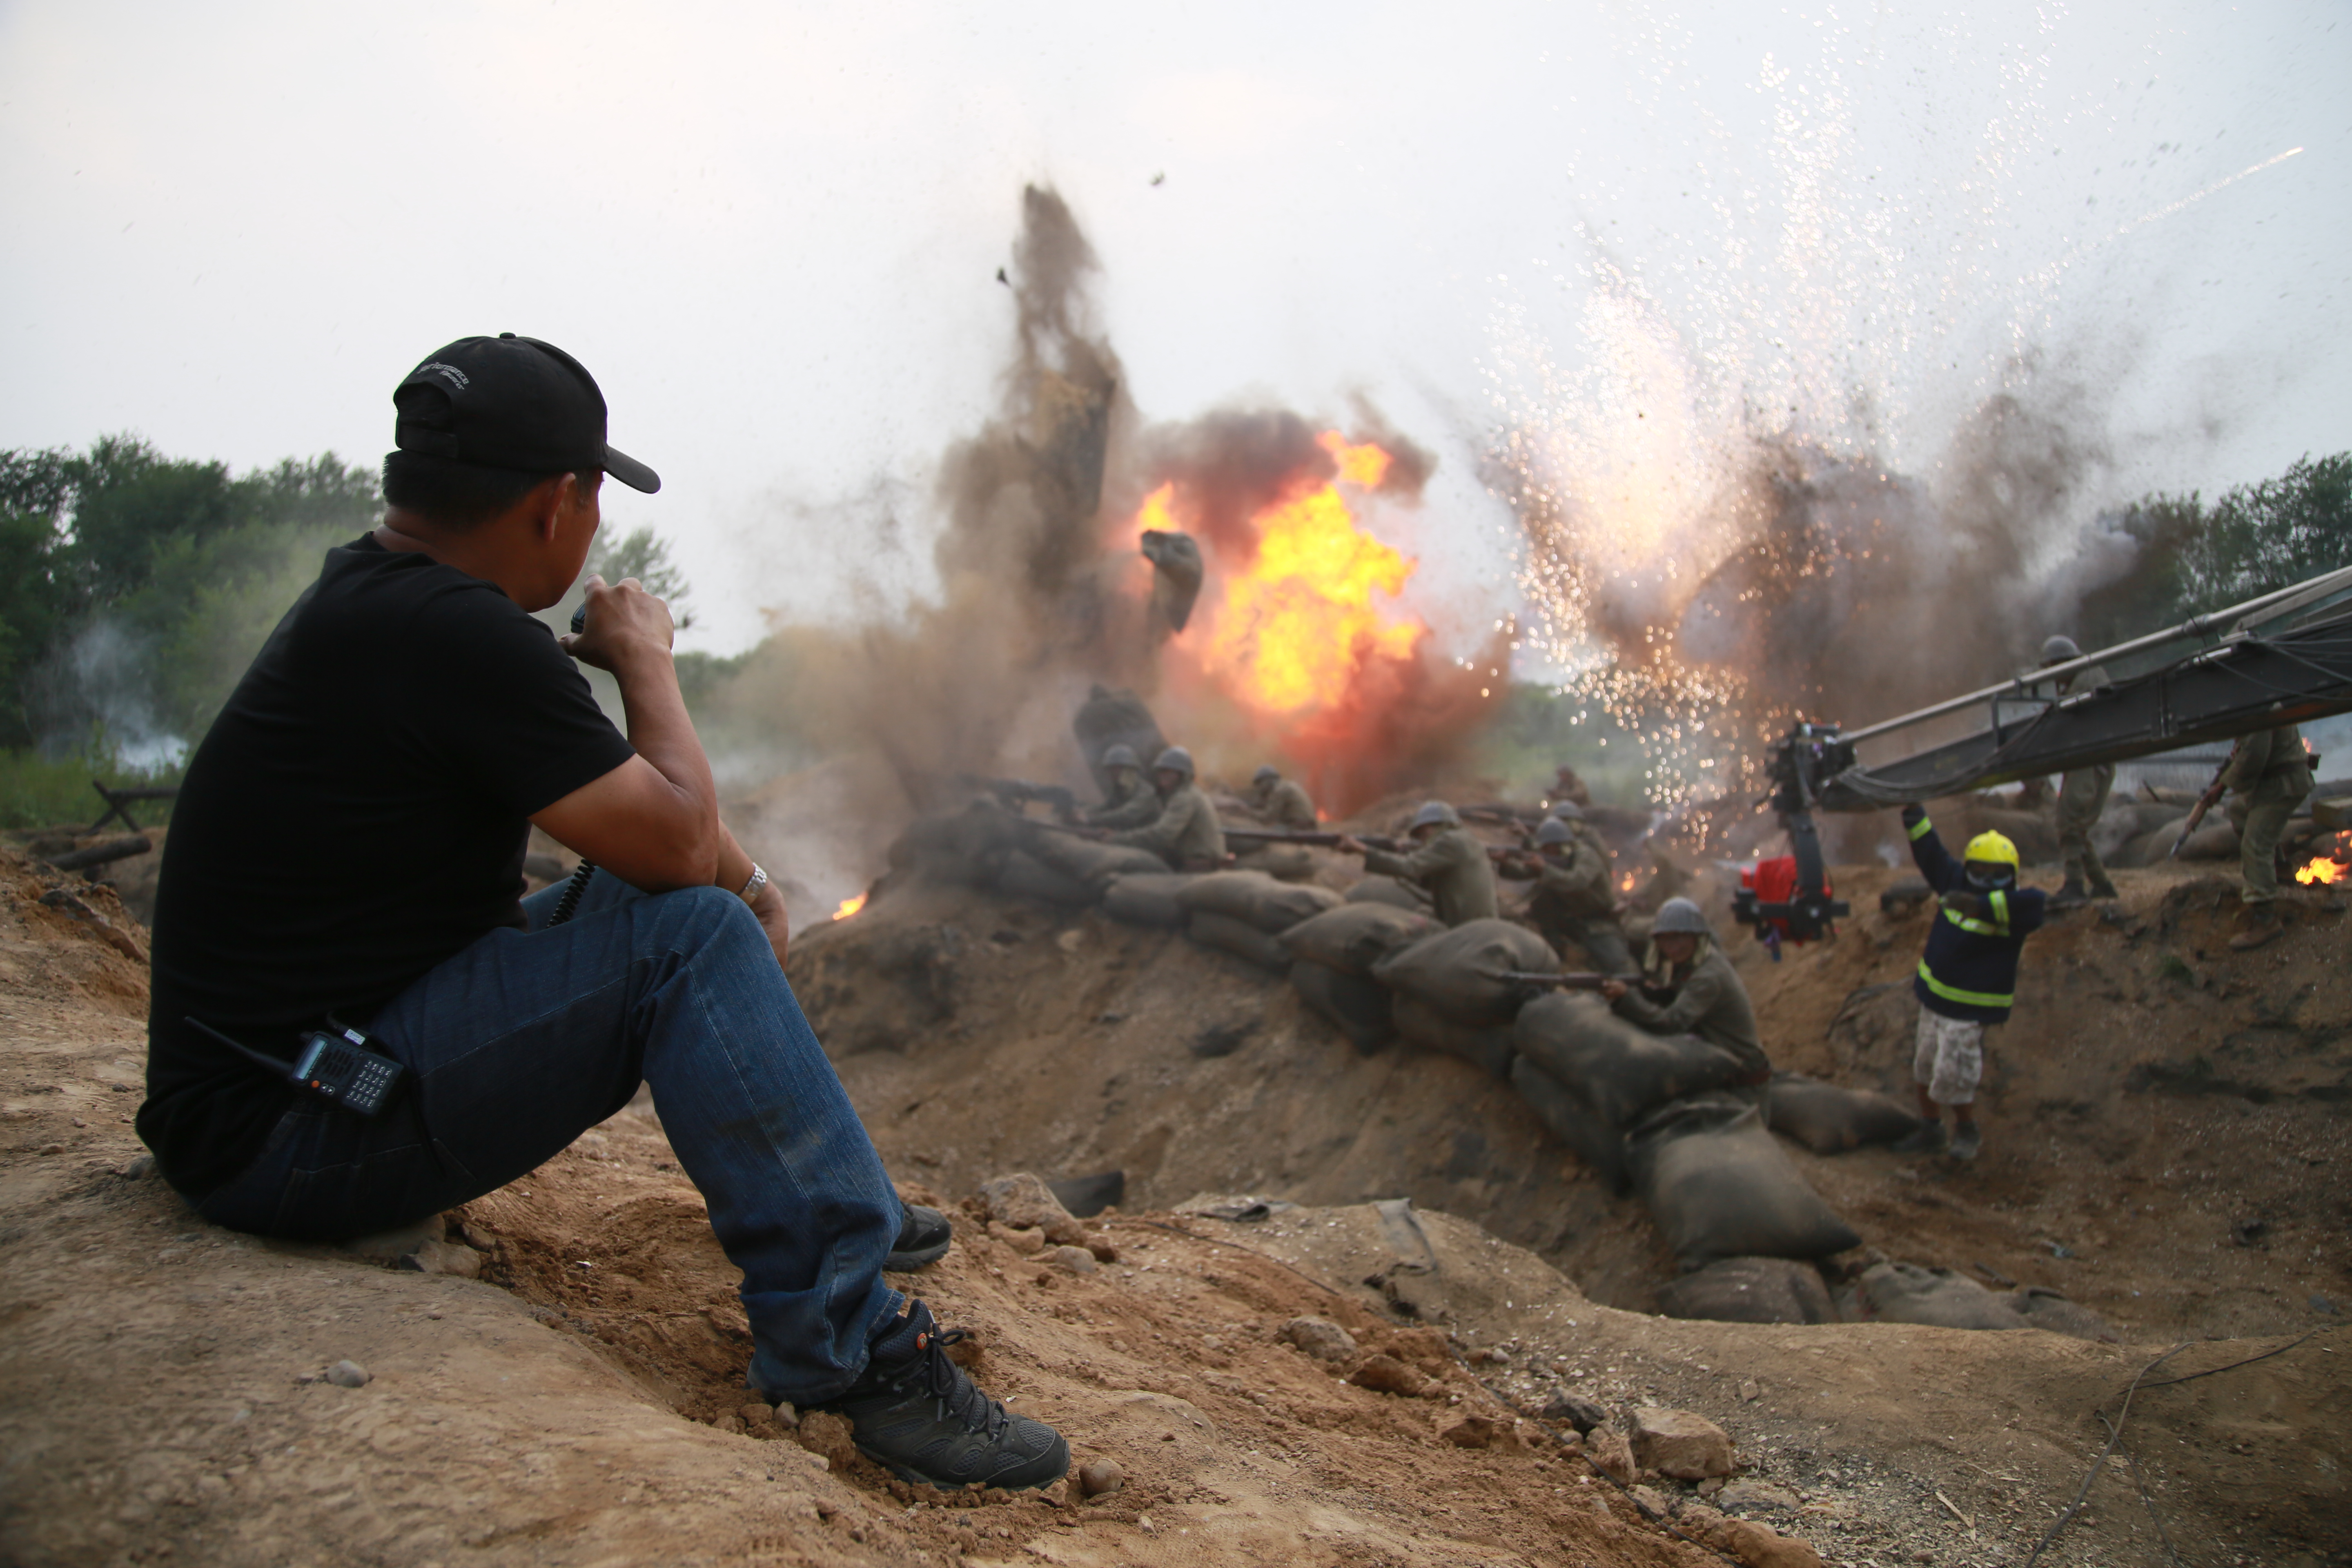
(1969, 970)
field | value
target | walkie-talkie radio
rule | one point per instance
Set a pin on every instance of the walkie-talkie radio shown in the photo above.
(335, 1066)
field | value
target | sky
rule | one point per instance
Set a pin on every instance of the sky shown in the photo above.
(772, 233)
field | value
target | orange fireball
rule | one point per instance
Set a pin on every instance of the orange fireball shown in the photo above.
(849, 907)
(1299, 622)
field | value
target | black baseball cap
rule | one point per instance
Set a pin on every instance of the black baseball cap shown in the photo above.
(511, 403)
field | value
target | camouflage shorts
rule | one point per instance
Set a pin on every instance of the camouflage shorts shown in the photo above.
(1950, 1057)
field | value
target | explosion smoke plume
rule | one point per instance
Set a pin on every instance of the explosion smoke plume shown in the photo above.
(1043, 590)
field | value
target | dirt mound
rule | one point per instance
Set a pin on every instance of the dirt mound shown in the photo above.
(161, 1392)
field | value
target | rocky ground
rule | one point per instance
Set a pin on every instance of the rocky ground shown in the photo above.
(2176, 1128)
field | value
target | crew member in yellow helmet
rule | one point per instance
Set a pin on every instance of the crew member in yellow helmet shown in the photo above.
(1968, 978)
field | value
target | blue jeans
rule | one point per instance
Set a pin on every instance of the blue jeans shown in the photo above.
(526, 1038)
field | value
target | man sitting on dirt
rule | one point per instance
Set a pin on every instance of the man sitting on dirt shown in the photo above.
(1130, 803)
(1688, 987)
(1575, 900)
(1445, 862)
(410, 712)
(1280, 802)
(1185, 833)
(1968, 978)
(2267, 777)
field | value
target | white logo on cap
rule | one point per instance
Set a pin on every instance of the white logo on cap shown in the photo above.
(451, 371)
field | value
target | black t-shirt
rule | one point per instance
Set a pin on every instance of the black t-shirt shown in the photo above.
(356, 815)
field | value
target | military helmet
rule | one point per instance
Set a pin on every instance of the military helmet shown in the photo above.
(1267, 773)
(1676, 916)
(1121, 757)
(1175, 757)
(2059, 649)
(1554, 830)
(1434, 812)
(1568, 811)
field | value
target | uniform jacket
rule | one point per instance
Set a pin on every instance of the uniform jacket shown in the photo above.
(2264, 754)
(1286, 806)
(1452, 867)
(1971, 968)
(1137, 808)
(1185, 834)
(1582, 883)
(1709, 1002)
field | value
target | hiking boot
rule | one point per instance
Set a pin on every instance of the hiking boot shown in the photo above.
(2069, 897)
(913, 1412)
(1927, 1138)
(2257, 924)
(1966, 1142)
(923, 1238)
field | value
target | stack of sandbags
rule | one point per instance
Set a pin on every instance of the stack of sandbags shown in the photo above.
(1590, 1075)
(1447, 998)
(1331, 960)
(1828, 1119)
(1242, 912)
(1082, 860)
(1388, 890)
(1719, 1186)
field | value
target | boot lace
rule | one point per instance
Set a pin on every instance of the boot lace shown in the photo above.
(958, 1395)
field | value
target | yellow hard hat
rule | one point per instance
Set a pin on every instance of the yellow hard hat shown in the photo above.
(1992, 847)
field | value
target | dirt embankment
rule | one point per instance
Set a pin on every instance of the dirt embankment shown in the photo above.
(159, 1392)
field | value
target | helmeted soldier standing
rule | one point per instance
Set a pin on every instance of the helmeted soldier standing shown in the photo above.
(1445, 862)
(2267, 777)
(1185, 833)
(2081, 794)
(1282, 802)
(1688, 987)
(1575, 900)
(1130, 801)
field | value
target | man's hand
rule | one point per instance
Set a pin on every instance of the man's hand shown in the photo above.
(624, 620)
(1611, 989)
(769, 909)
(1967, 904)
(1351, 845)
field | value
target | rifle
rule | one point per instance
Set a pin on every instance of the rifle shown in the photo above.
(1576, 979)
(1319, 840)
(2204, 803)
(1498, 815)
(1015, 794)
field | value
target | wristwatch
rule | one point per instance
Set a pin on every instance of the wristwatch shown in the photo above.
(752, 889)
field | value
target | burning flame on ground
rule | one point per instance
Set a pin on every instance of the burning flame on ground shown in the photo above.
(849, 907)
(1299, 622)
(2322, 869)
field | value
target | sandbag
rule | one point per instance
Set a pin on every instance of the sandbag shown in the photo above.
(1354, 937)
(1719, 1186)
(1906, 1293)
(1486, 1047)
(1257, 899)
(1617, 1068)
(1359, 1007)
(1237, 937)
(1390, 891)
(1110, 718)
(967, 846)
(1021, 877)
(1450, 970)
(1829, 1119)
(1588, 1134)
(1751, 1290)
(1084, 860)
(1147, 899)
(1283, 862)
(2042, 1308)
